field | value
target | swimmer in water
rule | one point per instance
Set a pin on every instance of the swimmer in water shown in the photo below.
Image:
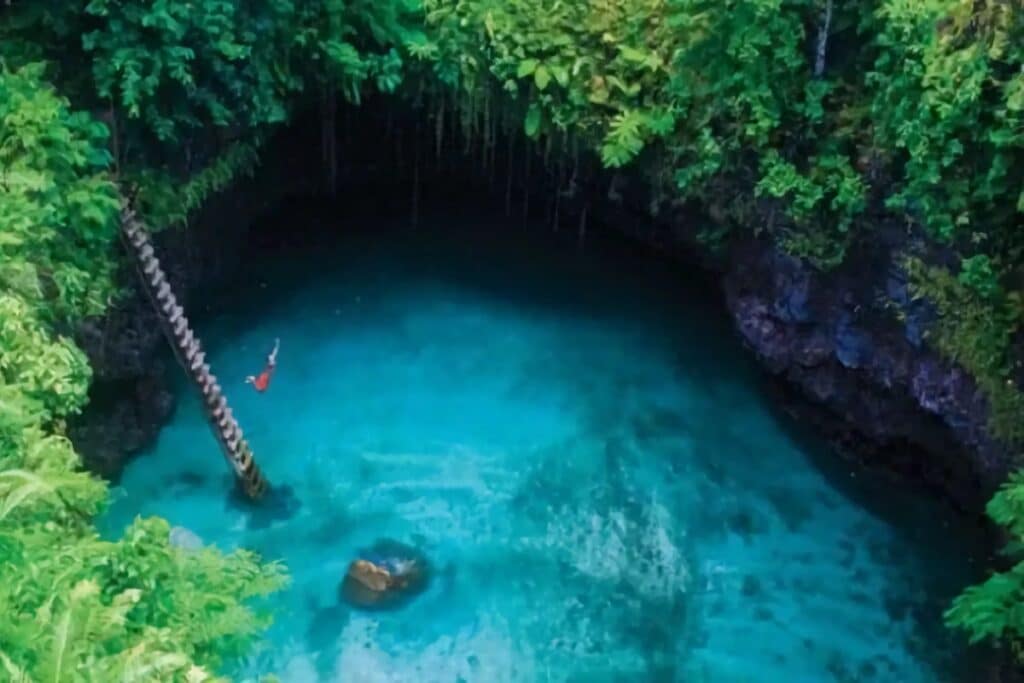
(262, 381)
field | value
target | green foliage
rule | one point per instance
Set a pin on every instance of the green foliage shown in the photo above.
(992, 609)
(77, 608)
(173, 71)
(717, 92)
(975, 327)
(947, 105)
(178, 65)
(164, 202)
(52, 373)
(582, 66)
(98, 610)
(948, 101)
(829, 194)
(737, 80)
(627, 133)
(355, 42)
(57, 208)
(978, 275)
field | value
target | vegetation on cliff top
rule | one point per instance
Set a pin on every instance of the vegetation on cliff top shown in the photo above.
(77, 607)
(810, 122)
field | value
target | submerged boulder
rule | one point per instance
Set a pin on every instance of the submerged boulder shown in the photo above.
(385, 576)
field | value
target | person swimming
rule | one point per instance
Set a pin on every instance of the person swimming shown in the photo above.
(261, 381)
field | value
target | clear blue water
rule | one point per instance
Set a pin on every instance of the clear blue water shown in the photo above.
(579, 444)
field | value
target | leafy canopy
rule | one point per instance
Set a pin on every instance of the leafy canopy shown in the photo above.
(78, 608)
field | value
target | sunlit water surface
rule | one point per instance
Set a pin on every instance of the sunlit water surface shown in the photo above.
(579, 445)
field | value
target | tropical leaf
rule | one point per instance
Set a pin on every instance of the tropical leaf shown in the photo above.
(542, 77)
(527, 67)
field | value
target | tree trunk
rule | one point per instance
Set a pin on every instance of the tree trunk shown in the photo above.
(823, 30)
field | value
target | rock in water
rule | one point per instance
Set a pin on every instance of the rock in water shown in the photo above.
(180, 537)
(370, 575)
(385, 576)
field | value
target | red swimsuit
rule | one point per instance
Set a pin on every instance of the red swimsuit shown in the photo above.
(263, 380)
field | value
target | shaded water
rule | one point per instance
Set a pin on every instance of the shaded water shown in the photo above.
(582, 449)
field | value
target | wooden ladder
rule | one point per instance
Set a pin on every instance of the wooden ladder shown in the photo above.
(189, 353)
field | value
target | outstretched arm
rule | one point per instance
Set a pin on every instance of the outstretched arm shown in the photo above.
(272, 358)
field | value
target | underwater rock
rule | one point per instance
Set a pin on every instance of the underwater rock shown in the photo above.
(183, 538)
(372, 576)
(385, 576)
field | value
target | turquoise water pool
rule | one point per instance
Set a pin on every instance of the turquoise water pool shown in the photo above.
(580, 446)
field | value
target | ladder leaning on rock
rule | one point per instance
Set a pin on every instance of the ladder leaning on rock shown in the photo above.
(189, 353)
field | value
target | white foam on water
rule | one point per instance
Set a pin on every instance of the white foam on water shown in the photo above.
(613, 546)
